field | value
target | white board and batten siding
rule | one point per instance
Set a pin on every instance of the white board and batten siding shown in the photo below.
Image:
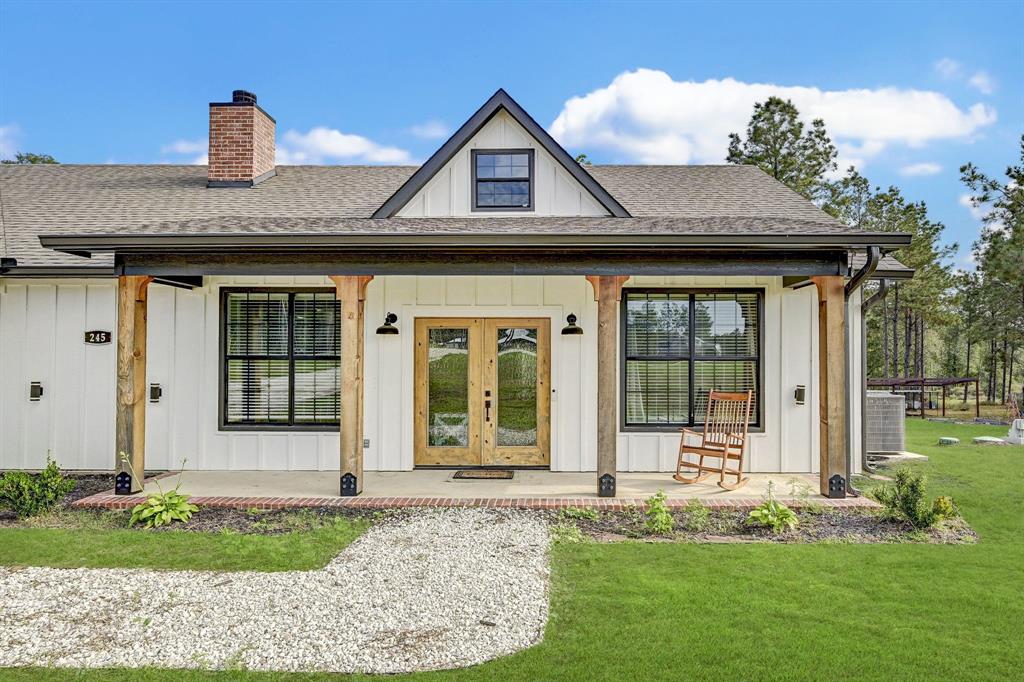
(449, 192)
(41, 339)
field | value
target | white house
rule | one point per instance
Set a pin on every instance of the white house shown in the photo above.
(235, 314)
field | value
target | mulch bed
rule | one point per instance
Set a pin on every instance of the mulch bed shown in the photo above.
(728, 526)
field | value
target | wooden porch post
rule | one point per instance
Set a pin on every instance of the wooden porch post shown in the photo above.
(607, 293)
(351, 292)
(130, 419)
(832, 384)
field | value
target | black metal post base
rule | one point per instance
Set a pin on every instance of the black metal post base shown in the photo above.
(123, 483)
(606, 486)
(836, 487)
(349, 488)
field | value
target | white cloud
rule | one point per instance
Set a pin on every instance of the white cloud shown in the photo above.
(982, 82)
(8, 141)
(320, 144)
(430, 130)
(646, 116)
(184, 147)
(923, 168)
(948, 68)
(977, 212)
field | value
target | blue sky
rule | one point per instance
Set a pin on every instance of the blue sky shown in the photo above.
(909, 90)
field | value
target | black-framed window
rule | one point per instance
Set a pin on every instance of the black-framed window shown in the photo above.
(281, 358)
(678, 345)
(502, 179)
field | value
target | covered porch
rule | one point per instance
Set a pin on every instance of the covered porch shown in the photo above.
(605, 266)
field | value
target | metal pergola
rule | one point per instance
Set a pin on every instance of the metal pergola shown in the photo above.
(920, 384)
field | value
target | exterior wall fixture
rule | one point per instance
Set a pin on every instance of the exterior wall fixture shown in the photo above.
(388, 326)
(800, 394)
(155, 393)
(571, 329)
(35, 391)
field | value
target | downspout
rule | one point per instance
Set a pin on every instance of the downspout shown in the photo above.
(858, 279)
(883, 290)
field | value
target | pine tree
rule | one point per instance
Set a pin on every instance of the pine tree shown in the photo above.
(778, 143)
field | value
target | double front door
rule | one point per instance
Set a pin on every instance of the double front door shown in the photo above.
(483, 392)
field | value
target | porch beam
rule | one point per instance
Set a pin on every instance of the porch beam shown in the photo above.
(454, 261)
(832, 385)
(607, 293)
(130, 419)
(351, 292)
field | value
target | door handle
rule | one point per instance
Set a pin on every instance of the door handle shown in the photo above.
(487, 410)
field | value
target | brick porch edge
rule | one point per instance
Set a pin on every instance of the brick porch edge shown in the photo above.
(110, 501)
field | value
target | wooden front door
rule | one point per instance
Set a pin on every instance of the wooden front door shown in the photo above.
(483, 391)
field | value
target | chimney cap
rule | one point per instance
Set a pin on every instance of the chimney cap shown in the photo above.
(243, 97)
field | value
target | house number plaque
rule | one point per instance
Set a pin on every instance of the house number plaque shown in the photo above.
(98, 337)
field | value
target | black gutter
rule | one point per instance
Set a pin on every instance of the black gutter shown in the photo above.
(883, 290)
(859, 277)
(91, 243)
(72, 272)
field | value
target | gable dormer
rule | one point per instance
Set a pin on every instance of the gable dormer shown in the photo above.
(500, 163)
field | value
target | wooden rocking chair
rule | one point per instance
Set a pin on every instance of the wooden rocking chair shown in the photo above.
(724, 437)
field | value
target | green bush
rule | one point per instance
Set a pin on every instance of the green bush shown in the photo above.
(161, 508)
(906, 500)
(657, 518)
(579, 513)
(945, 508)
(698, 516)
(772, 514)
(30, 494)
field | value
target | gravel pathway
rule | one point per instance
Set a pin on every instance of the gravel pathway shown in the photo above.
(434, 589)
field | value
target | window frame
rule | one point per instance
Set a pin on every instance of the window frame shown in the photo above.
(474, 206)
(757, 418)
(223, 423)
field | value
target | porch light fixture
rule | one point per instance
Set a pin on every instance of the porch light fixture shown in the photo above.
(388, 326)
(571, 329)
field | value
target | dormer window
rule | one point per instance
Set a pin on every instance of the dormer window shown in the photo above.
(503, 180)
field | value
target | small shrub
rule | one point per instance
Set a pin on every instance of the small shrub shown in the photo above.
(578, 513)
(567, 534)
(30, 494)
(698, 516)
(906, 500)
(161, 508)
(772, 514)
(658, 519)
(945, 508)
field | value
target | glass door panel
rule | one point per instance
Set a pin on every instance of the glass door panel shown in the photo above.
(517, 393)
(447, 387)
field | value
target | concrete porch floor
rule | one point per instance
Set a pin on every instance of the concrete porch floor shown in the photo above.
(438, 483)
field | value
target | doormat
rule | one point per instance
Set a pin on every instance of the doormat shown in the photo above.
(503, 474)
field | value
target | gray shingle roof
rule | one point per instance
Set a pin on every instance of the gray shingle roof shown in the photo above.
(162, 199)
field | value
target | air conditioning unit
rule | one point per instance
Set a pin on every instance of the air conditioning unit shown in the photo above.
(885, 414)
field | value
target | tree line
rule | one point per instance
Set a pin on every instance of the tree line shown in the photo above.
(943, 322)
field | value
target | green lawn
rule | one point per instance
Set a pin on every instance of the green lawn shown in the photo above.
(735, 612)
(102, 547)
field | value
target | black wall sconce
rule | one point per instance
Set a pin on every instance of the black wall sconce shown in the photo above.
(388, 326)
(35, 391)
(155, 393)
(571, 329)
(800, 394)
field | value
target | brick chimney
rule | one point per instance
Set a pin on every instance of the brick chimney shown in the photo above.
(241, 142)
